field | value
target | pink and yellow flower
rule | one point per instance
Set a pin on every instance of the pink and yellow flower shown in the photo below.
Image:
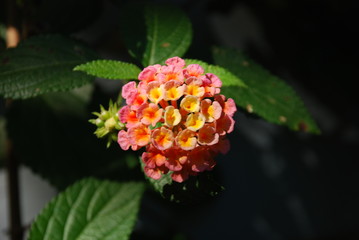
(155, 92)
(149, 113)
(162, 138)
(172, 116)
(195, 121)
(211, 110)
(190, 103)
(177, 113)
(186, 139)
(139, 135)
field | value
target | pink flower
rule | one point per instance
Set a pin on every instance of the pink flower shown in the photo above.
(149, 113)
(176, 61)
(193, 70)
(177, 113)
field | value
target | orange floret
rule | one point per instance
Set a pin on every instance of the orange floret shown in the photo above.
(211, 111)
(207, 135)
(162, 138)
(155, 92)
(139, 135)
(195, 121)
(173, 90)
(186, 139)
(190, 103)
(194, 87)
(149, 114)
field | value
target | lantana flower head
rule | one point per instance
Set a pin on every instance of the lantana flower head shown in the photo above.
(177, 113)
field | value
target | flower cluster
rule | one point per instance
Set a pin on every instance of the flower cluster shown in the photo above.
(178, 114)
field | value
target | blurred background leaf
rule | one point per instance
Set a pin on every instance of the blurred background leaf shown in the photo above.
(266, 95)
(156, 32)
(42, 64)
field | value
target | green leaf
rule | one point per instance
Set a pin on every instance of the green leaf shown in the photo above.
(167, 33)
(266, 95)
(42, 64)
(110, 69)
(90, 209)
(228, 79)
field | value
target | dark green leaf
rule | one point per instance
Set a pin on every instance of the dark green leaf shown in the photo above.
(42, 64)
(110, 69)
(90, 209)
(266, 95)
(167, 33)
(228, 79)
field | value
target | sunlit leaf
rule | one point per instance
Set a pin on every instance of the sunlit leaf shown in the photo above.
(90, 209)
(110, 69)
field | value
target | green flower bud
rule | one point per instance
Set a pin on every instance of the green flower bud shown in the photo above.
(108, 123)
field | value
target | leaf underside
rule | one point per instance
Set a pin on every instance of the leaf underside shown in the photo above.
(266, 95)
(90, 209)
(42, 64)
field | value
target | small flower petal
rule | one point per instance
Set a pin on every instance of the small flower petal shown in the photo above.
(207, 135)
(190, 103)
(155, 92)
(176, 61)
(139, 135)
(186, 139)
(173, 90)
(172, 116)
(149, 113)
(195, 121)
(193, 70)
(211, 111)
(123, 140)
(129, 89)
(162, 138)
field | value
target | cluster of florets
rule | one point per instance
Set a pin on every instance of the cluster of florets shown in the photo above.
(177, 113)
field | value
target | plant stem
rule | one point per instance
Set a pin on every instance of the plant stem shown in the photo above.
(16, 230)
